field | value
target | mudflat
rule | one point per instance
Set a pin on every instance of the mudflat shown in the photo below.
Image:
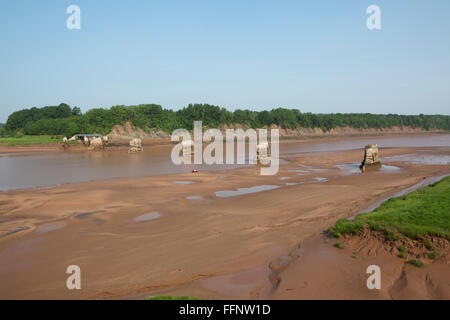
(154, 235)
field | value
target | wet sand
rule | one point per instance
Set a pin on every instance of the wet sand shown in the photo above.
(210, 247)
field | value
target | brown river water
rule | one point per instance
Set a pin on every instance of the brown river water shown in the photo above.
(20, 171)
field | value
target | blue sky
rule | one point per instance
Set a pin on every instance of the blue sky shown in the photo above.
(316, 56)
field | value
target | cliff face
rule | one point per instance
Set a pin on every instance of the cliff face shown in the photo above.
(346, 131)
(128, 131)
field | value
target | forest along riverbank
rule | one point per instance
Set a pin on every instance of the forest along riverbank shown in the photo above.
(100, 226)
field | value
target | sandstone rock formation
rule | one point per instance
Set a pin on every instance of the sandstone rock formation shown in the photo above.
(64, 144)
(371, 159)
(96, 144)
(262, 157)
(135, 145)
(128, 131)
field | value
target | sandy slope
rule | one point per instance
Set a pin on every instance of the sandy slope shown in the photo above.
(322, 271)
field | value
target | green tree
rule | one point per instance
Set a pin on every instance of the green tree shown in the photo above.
(64, 120)
(76, 111)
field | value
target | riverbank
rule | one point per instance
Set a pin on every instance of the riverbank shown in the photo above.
(189, 240)
(19, 145)
(407, 237)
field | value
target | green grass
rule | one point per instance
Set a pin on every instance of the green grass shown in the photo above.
(339, 245)
(171, 298)
(421, 213)
(29, 140)
(416, 263)
(429, 245)
(402, 250)
(433, 254)
(402, 255)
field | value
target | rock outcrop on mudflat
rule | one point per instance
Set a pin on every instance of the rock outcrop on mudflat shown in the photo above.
(371, 158)
(96, 144)
(135, 145)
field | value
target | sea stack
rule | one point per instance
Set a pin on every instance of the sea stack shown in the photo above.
(371, 159)
(96, 144)
(135, 145)
(262, 157)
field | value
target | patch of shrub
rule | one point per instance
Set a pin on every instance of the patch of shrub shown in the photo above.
(416, 263)
(339, 245)
(433, 254)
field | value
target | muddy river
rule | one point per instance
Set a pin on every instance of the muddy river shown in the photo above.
(20, 171)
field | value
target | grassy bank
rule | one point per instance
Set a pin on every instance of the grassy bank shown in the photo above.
(421, 213)
(29, 140)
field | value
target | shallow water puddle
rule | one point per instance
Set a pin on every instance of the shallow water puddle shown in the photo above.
(352, 168)
(49, 227)
(318, 170)
(320, 179)
(193, 198)
(421, 159)
(147, 217)
(242, 191)
(385, 167)
(289, 184)
(82, 215)
(183, 182)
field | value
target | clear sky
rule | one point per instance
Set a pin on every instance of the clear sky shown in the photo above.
(315, 56)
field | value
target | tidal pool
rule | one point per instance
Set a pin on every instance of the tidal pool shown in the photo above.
(385, 167)
(183, 182)
(242, 191)
(49, 227)
(289, 184)
(193, 198)
(352, 168)
(147, 217)
(430, 159)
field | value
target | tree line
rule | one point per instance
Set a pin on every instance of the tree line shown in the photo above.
(65, 120)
